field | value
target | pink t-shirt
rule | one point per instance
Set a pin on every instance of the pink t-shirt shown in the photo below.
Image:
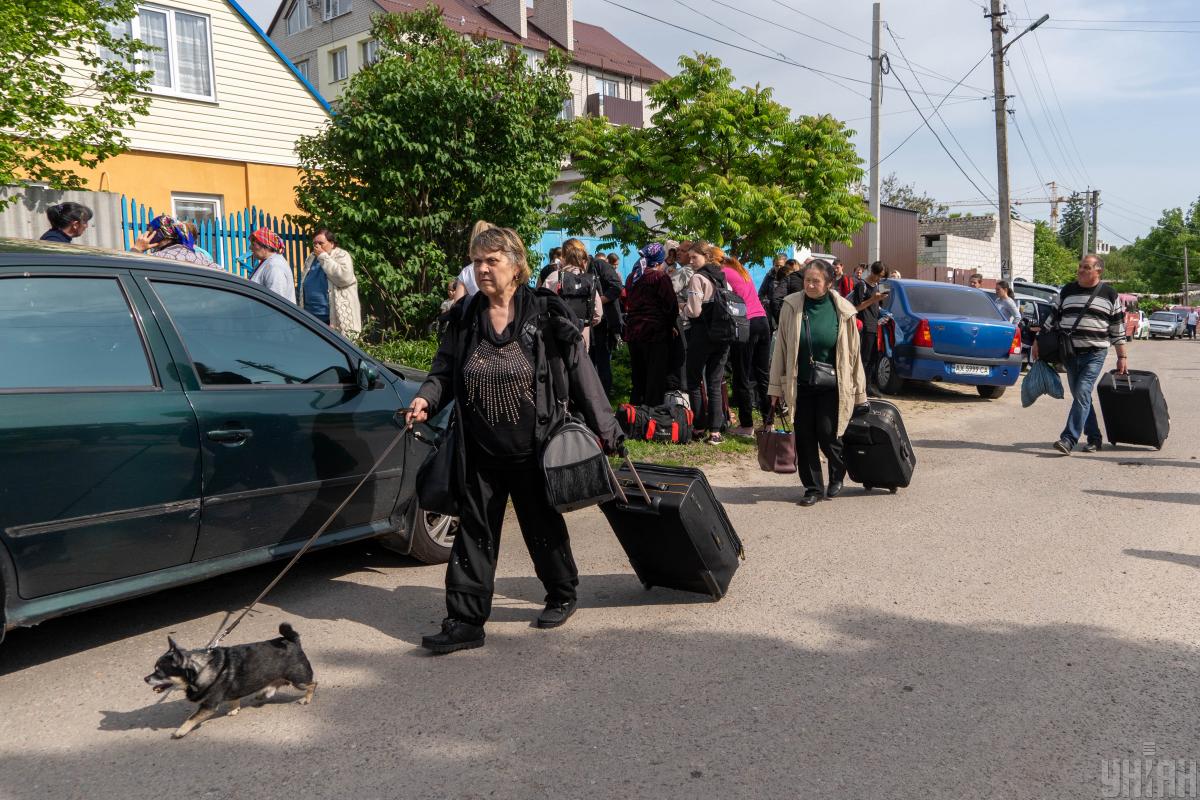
(745, 290)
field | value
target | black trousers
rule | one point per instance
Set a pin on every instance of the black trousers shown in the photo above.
(816, 425)
(601, 354)
(471, 573)
(751, 365)
(706, 364)
(870, 355)
(677, 360)
(648, 372)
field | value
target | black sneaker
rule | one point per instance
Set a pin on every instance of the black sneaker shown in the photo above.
(455, 635)
(1063, 446)
(555, 614)
(1092, 447)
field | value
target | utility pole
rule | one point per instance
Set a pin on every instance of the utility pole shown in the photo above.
(1053, 206)
(876, 97)
(998, 31)
(1095, 220)
(1187, 282)
(1083, 248)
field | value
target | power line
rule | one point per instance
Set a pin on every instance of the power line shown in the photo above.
(939, 139)
(910, 111)
(938, 113)
(767, 56)
(1058, 139)
(1025, 144)
(1115, 30)
(819, 21)
(1120, 21)
(1142, 248)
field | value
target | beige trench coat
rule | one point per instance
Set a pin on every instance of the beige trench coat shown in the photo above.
(852, 385)
(345, 313)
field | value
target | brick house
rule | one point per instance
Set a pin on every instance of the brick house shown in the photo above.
(951, 248)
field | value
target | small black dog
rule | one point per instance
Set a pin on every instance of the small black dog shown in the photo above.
(212, 677)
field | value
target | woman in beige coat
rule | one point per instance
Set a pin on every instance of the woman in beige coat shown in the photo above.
(817, 330)
(344, 310)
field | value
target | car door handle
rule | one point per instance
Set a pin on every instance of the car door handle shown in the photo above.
(230, 435)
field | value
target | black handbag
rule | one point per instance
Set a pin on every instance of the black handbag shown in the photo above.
(437, 477)
(1054, 345)
(820, 374)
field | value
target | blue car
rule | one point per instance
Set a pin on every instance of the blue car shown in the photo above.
(944, 332)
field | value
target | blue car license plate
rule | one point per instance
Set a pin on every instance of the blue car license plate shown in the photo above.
(970, 369)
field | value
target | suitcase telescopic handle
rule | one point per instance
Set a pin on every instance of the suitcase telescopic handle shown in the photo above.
(638, 478)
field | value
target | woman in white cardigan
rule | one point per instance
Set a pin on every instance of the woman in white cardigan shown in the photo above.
(335, 268)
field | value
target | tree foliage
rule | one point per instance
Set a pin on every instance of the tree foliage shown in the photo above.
(61, 101)
(1052, 263)
(726, 164)
(1159, 254)
(1071, 224)
(442, 131)
(892, 192)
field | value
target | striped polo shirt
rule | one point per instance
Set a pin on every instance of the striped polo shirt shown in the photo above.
(1101, 324)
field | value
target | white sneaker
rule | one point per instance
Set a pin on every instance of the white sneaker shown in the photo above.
(715, 439)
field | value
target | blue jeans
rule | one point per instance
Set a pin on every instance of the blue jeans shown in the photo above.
(1082, 372)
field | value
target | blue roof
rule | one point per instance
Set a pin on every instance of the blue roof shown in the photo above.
(287, 62)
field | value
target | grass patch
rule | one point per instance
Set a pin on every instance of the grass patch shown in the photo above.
(693, 454)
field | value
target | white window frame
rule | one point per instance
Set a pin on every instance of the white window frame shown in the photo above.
(604, 83)
(368, 51)
(306, 19)
(172, 53)
(302, 68)
(334, 77)
(217, 200)
(334, 8)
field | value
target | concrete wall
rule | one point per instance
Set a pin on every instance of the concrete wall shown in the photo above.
(972, 244)
(26, 218)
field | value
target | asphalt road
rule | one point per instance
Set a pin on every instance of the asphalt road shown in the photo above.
(999, 629)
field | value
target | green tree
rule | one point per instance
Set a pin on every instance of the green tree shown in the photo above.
(1123, 269)
(61, 101)
(1070, 225)
(905, 195)
(726, 164)
(1160, 252)
(444, 130)
(1052, 263)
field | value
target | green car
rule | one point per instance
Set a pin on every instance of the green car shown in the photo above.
(161, 424)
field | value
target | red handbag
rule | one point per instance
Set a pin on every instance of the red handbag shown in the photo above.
(776, 448)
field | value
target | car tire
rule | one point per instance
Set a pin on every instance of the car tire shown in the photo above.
(990, 392)
(886, 377)
(431, 538)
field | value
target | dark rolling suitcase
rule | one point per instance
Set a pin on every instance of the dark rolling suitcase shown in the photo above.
(676, 534)
(877, 449)
(1134, 408)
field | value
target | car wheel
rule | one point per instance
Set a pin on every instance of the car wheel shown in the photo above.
(990, 392)
(886, 377)
(433, 536)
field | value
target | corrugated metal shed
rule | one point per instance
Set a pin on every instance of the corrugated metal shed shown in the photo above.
(898, 235)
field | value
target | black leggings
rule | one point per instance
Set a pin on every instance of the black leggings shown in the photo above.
(648, 372)
(706, 363)
(817, 426)
(751, 363)
(870, 355)
(471, 573)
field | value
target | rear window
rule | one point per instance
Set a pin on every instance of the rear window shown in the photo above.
(1164, 316)
(1037, 291)
(936, 300)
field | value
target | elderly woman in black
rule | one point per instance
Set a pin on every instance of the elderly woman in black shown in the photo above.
(816, 368)
(498, 360)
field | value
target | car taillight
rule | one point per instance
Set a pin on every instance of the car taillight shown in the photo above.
(923, 338)
(1015, 350)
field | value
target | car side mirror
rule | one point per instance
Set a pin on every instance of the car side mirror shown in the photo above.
(367, 377)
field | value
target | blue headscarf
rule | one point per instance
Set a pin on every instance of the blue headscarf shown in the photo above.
(166, 228)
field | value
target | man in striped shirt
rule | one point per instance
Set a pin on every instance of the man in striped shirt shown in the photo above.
(1095, 322)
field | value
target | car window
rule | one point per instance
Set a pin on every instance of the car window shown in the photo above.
(1164, 316)
(237, 340)
(938, 300)
(1029, 309)
(69, 333)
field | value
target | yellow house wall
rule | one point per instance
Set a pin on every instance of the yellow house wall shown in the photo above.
(151, 178)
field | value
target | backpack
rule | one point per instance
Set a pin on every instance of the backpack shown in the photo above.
(726, 313)
(578, 291)
(670, 424)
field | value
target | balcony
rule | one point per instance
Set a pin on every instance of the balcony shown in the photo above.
(618, 110)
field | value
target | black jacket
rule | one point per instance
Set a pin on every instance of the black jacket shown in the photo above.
(610, 289)
(557, 344)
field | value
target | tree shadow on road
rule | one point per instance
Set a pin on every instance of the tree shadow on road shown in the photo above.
(1185, 498)
(1165, 555)
(852, 703)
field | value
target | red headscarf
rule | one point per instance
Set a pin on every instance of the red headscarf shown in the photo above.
(268, 238)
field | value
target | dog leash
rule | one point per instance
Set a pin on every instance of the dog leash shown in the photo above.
(223, 632)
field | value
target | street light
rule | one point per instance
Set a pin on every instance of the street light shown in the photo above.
(1034, 26)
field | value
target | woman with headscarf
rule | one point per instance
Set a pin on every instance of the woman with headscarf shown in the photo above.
(651, 311)
(272, 271)
(166, 237)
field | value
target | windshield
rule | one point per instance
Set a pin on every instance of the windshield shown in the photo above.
(938, 300)
(1164, 316)
(1036, 291)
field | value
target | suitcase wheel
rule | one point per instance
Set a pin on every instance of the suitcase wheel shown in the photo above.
(647, 586)
(867, 487)
(891, 489)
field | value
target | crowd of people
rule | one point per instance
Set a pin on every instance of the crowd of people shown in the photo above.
(328, 287)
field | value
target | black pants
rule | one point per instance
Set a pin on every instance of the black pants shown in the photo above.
(706, 363)
(648, 372)
(751, 365)
(471, 573)
(816, 424)
(870, 356)
(677, 360)
(601, 354)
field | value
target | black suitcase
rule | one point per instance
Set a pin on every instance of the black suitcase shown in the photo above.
(680, 539)
(877, 449)
(1134, 409)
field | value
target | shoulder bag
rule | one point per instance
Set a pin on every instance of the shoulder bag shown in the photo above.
(1055, 344)
(437, 477)
(820, 374)
(776, 448)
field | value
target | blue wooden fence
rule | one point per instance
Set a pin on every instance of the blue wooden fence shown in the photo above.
(227, 240)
